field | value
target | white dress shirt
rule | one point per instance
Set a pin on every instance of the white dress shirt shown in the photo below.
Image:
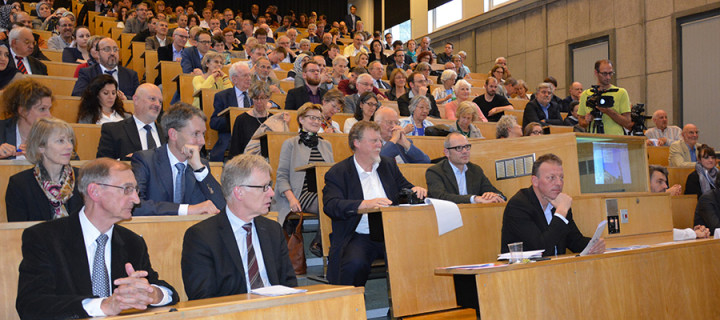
(114, 75)
(199, 176)
(18, 142)
(25, 61)
(240, 237)
(143, 134)
(240, 99)
(372, 188)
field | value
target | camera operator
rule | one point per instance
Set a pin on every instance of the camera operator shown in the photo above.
(616, 109)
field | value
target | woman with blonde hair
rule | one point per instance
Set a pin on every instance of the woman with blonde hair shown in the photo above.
(49, 189)
(213, 77)
(466, 115)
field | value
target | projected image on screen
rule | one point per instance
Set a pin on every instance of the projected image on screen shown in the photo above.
(612, 163)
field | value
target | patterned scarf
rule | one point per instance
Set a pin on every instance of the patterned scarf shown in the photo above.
(57, 193)
(309, 139)
(705, 184)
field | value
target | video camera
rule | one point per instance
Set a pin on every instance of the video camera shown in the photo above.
(637, 114)
(595, 101)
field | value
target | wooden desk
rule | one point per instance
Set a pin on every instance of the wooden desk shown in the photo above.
(151, 59)
(138, 62)
(658, 155)
(319, 302)
(678, 175)
(663, 282)
(168, 70)
(88, 139)
(683, 210)
(125, 39)
(62, 86)
(53, 55)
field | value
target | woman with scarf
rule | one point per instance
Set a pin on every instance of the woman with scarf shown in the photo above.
(705, 176)
(8, 72)
(49, 190)
(291, 188)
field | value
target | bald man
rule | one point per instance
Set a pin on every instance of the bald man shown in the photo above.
(662, 134)
(683, 153)
(119, 140)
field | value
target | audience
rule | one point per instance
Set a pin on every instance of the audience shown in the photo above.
(8, 72)
(542, 109)
(333, 102)
(705, 177)
(659, 181)
(64, 35)
(376, 70)
(398, 62)
(212, 78)
(683, 152)
(173, 179)
(492, 104)
(101, 103)
(311, 91)
(533, 129)
(191, 57)
(662, 134)
(376, 52)
(462, 92)
(395, 143)
(445, 93)
(367, 104)
(22, 45)
(236, 96)
(415, 124)
(418, 86)
(398, 84)
(48, 190)
(457, 179)
(507, 127)
(576, 89)
(467, 113)
(24, 102)
(160, 38)
(339, 70)
(247, 123)
(108, 63)
(140, 22)
(78, 51)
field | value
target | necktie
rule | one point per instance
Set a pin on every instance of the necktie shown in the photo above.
(110, 72)
(100, 281)
(253, 271)
(179, 180)
(246, 101)
(380, 84)
(150, 140)
(20, 65)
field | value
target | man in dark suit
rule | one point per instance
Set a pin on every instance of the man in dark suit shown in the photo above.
(348, 189)
(237, 250)
(351, 18)
(172, 51)
(418, 86)
(376, 70)
(173, 179)
(192, 56)
(542, 109)
(55, 279)
(399, 62)
(457, 179)
(119, 140)
(237, 96)
(22, 45)
(108, 64)
(540, 216)
(310, 92)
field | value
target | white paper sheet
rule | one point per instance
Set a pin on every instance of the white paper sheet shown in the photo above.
(278, 290)
(525, 254)
(447, 214)
(595, 238)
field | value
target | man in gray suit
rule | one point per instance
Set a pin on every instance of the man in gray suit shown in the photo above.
(363, 84)
(160, 39)
(237, 250)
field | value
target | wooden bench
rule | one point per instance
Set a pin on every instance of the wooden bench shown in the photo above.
(659, 155)
(60, 69)
(151, 59)
(677, 175)
(168, 70)
(62, 86)
(54, 56)
(88, 139)
(683, 210)
(138, 63)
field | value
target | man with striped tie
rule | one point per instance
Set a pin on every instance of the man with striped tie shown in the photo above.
(22, 45)
(237, 250)
(85, 265)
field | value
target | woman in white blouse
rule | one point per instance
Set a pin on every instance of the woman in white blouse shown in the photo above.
(102, 102)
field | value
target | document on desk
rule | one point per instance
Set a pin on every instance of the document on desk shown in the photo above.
(447, 214)
(525, 254)
(595, 238)
(277, 290)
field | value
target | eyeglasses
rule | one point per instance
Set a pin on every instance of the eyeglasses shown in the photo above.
(264, 188)
(316, 118)
(205, 41)
(110, 49)
(372, 105)
(460, 148)
(607, 74)
(391, 122)
(127, 190)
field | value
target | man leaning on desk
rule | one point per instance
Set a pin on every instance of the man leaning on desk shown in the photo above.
(540, 215)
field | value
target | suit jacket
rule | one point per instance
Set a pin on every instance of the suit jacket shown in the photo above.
(26, 201)
(349, 22)
(293, 154)
(680, 154)
(534, 113)
(128, 80)
(36, 67)
(211, 262)
(442, 184)
(524, 220)
(342, 196)
(118, 139)
(223, 100)
(155, 184)
(7, 132)
(707, 211)
(404, 103)
(152, 43)
(392, 66)
(190, 59)
(413, 155)
(296, 97)
(54, 272)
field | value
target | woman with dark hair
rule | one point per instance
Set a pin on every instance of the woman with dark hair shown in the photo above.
(302, 21)
(498, 72)
(49, 189)
(122, 16)
(8, 72)
(398, 84)
(705, 177)
(376, 52)
(193, 20)
(24, 102)
(78, 51)
(367, 105)
(100, 102)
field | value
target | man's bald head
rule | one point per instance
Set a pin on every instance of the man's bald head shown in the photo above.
(690, 134)
(660, 119)
(24, 18)
(385, 113)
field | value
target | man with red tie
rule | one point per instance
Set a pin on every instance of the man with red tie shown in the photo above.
(22, 44)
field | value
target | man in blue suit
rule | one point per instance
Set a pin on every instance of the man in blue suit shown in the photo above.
(107, 64)
(396, 144)
(237, 96)
(364, 180)
(173, 179)
(192, 56)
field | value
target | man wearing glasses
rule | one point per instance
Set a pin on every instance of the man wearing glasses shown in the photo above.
(139, 22)
(64, 36)
(614, 118)
(173, 179)
(457, 179)
(174, 50)
(108, 57)
(192, 56)
(399, 58)
(237, 250)
(85, 265)
(310, 92)
(418, 86)
(395, 143)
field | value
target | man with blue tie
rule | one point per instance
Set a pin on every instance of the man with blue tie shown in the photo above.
(108, 57)
(237, 96)
(85, 265)
(237, 250)
(173, 179)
